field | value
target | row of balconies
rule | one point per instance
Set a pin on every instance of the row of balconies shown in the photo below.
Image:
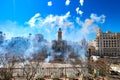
(107, 54)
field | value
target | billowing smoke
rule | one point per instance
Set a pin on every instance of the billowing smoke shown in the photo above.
(17, 45)
(47, 48)
(40, 49)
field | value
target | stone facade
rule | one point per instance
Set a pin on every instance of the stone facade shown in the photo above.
(107, 44)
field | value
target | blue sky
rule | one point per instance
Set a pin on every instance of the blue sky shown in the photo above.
(77, 20)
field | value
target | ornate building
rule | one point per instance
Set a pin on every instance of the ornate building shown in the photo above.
(107, 44)
(59, 47)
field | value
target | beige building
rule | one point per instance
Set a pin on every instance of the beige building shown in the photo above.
(107, 44)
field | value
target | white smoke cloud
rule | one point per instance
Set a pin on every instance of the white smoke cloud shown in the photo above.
(50, 23)
(56, 19)
(79, 11)
(90, 25)
(50, 3)
(13, 29)
(81, 2)
(72, 29)
(37, 20)
(33, 20)
(67, 2)
(96, 18)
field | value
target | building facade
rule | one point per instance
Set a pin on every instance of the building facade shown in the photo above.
(59, 47)
(107, 44)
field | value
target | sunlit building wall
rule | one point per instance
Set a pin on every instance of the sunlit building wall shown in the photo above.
(108, 44)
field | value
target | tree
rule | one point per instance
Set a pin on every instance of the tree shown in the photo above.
(7, 63)
(30, 67)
